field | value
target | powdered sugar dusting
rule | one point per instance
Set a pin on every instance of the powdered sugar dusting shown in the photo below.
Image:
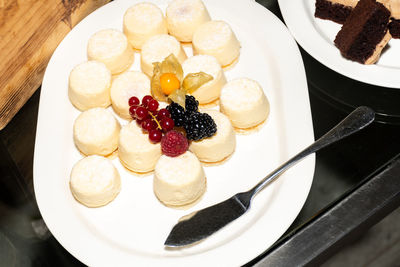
(93, 174)
(184, 10)
(212, 34)
(107, 43)
(143, 16)
(204, 63)
(90, 77)
(159, 47)
(242, 92)
(95, 124)
(182, 169)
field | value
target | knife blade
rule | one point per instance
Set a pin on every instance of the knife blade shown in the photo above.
(203, 223)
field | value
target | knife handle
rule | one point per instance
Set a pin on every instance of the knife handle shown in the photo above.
(355, 121)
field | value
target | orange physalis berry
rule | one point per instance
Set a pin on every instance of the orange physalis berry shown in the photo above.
(169, 83)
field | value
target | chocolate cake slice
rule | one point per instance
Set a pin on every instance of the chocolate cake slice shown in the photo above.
(394, 26)
(335, 10)
(365, 32)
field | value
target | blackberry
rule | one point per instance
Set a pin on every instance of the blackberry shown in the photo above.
(199, 126)
(177, 114)
(191, 104)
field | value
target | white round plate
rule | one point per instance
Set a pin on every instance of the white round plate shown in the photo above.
(131, 230)
(316, 36)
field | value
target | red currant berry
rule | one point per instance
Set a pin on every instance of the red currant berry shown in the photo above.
(141, 113)
(163, 113)
(167, 124)
(134, 101)
(132, 111)
(139, 122)
(149, 124)
(152, 105)
(146, 99)
(155, 135)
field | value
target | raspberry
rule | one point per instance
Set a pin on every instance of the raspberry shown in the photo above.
(174, 144)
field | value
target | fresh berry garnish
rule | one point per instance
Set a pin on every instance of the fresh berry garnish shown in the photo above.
(132, 111)
(141, 113)
(167, 124)
(134, 101)
(174, 144)
(169, 83)
(155, 135)
(191, 104)
(152, 105)
(199, 126)
(163, 113)
(177, 114)
(139, 122)
(149, 124)
(146, 99)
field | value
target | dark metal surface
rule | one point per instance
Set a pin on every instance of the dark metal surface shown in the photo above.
(339, 223)
(203, 223)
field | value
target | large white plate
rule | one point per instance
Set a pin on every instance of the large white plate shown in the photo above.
(316, 37)
(132, 229)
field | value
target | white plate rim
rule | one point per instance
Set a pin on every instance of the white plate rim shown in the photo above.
(300, 122)
(301, 23)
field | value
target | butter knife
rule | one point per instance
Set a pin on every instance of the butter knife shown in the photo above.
(203, 223)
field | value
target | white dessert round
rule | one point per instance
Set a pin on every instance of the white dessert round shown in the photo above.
(211, 90)
(184, 17)
(95, 181)
(244, 102)
(157, 48)
(112, 48)
(217, 39)
(89, 85)
(142, 21)
(179, 180)
(96, 132)
(219, 146)
(135, 150)
(126, 85)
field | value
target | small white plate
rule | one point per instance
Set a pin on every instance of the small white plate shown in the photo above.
(316, 36)
(132, 229)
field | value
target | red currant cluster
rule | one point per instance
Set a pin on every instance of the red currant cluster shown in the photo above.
(147, 116)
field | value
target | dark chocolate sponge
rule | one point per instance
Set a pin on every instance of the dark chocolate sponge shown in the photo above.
(363, 30)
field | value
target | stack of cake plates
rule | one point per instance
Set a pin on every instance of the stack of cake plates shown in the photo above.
(353, 84)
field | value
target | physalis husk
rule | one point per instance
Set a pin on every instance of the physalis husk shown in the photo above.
(169, 65)
(193, 81)
(189, 84)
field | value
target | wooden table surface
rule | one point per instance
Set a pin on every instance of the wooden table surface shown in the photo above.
(30, 30)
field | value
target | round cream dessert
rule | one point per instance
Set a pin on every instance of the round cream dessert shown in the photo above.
(217, 39)
(179, 180)
(211, 90)
(96, 132)
(135, 150)
(219, 146)
(89, 85)
(157, 48)
(126, 85)
(142, 21)
(184, 17)
(94, 181)
(244, 102)
(112, 48)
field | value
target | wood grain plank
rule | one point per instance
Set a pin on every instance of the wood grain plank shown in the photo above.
(30, 30)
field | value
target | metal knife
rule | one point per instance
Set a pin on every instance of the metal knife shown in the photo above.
(203, 223)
